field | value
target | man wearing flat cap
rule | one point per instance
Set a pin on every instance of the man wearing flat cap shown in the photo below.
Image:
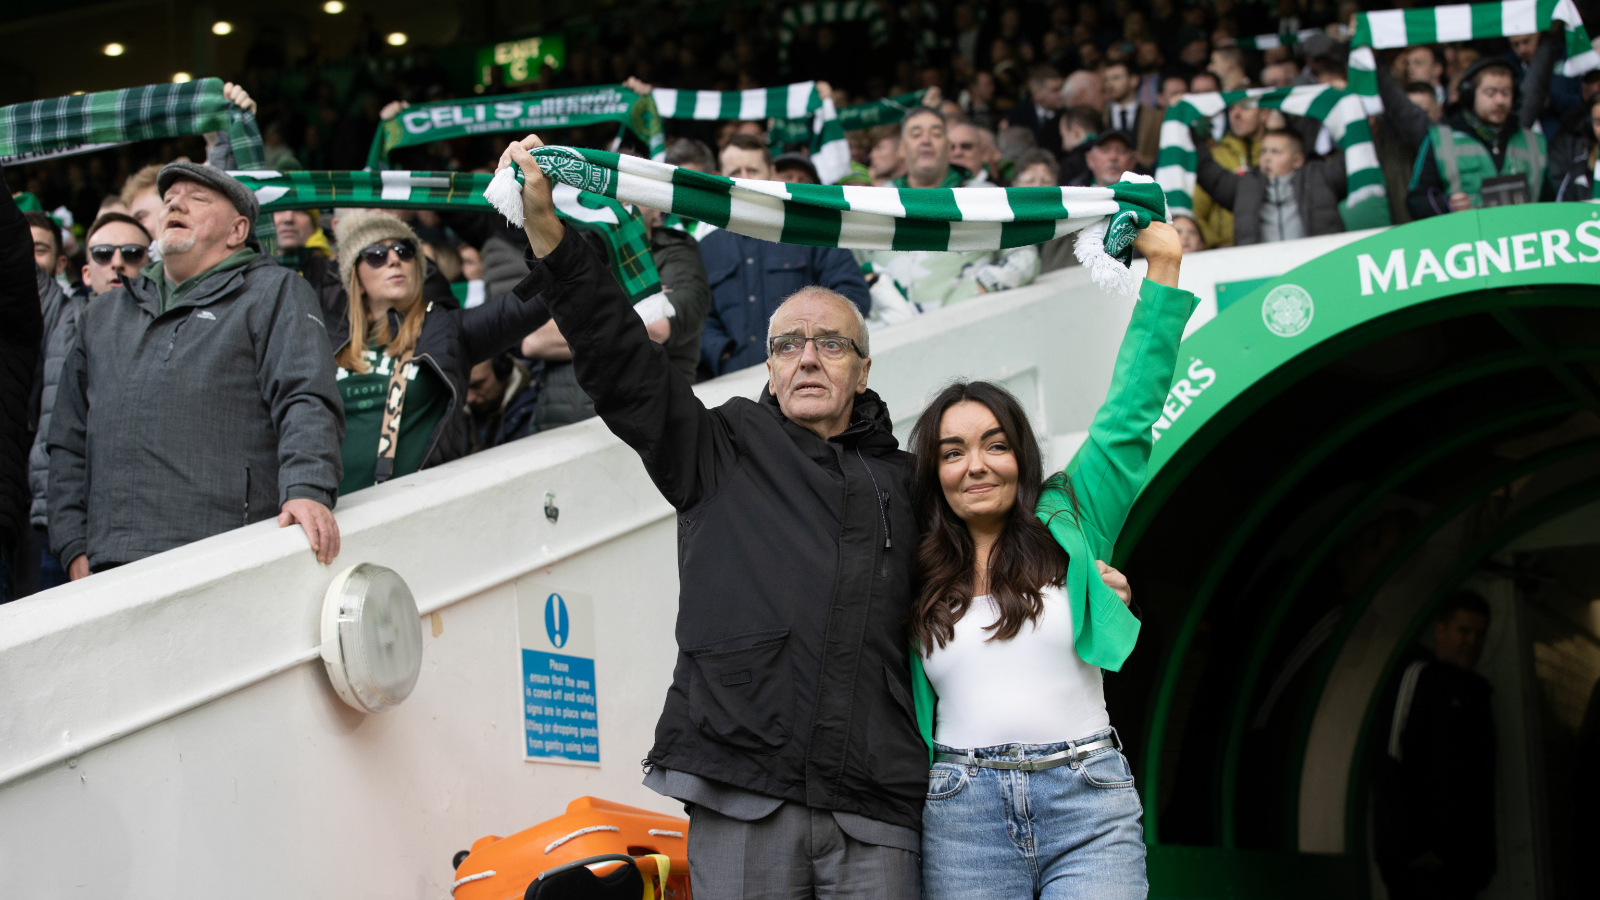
(199, 396)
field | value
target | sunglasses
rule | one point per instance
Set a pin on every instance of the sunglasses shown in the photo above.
(377, 255)
(132, 254)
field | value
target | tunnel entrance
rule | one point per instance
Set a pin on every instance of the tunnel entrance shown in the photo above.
(1343, 447)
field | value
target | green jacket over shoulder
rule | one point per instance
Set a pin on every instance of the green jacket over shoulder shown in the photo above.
(1107, 475)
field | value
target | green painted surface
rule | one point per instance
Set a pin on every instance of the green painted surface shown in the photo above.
(1229, 291)
(1208, 873)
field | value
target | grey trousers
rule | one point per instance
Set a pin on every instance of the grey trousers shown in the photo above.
(795, 853)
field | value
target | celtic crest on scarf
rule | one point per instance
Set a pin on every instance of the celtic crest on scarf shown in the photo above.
(569, 167)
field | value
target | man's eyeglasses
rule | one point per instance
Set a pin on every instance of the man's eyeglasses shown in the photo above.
(377, 255)
(132, 254)
(829, 346)
(964, 145)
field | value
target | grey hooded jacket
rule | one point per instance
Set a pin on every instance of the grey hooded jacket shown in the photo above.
(61, 313)
(173, 427)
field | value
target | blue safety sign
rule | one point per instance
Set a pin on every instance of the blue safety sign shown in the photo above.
(560, 716)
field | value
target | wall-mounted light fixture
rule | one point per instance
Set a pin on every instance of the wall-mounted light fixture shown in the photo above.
(371, 637)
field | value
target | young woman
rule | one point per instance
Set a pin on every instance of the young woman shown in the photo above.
(409, 355)
(1029, 795)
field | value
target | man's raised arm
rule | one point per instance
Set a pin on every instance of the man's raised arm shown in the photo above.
(643, 399)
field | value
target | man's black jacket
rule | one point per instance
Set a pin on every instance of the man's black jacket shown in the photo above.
(794, 562)
(21, 327)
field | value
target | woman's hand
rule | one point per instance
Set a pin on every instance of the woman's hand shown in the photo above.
(1117, 581)
(1161, 245)
(538, 209)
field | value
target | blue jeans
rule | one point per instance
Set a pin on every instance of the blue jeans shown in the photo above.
(1071, 831)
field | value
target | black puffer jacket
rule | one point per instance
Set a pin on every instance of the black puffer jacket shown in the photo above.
(794, 559)
(453, 340)
(21, 329)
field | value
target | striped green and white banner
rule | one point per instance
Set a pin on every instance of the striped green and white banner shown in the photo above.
(627, 245)
(1271, 41)
(853, 216)
(827, 13)
(862, 217)
(1461, 22)
(791, 101)
(1339, 110)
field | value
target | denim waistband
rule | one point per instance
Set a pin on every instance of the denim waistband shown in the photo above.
(1027, 751)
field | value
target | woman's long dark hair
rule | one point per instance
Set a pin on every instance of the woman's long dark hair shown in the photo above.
(1025, 558)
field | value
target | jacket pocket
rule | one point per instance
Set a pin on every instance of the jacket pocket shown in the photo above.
(740, 691)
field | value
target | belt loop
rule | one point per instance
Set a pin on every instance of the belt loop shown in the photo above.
(1072, 753)
(1116, 739)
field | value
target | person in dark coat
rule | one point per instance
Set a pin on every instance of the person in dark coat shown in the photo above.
(1284, 198)
(380, 264)
(214, 397)
(749, 277)
(788, 728)
(21, 330)
(1434, 823)
(500, 396)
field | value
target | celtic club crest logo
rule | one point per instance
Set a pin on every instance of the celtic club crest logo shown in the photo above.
(1287, 310)
(568, 166)
(1121, 232)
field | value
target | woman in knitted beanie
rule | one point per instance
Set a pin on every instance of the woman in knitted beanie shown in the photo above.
(403, 361)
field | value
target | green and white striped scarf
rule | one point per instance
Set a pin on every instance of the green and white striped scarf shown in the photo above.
(1461, 22)
(860, 217)
(791, 101)
(1339, 110)
(825, 135)
(84, 123)
(627, 246)
(827, 13)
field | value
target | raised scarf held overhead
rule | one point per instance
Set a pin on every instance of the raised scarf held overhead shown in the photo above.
(1339, 110)
(1461, 22)
(627, 246)
(865, 218)
(84, 123)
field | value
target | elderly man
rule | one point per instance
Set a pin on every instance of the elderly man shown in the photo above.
(214, 402)
(117, 247)
(974, 149)
(751, 277)
(788, 729)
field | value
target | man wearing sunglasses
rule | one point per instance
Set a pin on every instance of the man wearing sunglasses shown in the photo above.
(788, 730)
(117, 247)
(215, 404)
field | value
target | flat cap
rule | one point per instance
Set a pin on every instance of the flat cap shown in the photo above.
(243, 199)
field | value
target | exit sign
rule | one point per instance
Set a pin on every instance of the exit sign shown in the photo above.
(519, 62)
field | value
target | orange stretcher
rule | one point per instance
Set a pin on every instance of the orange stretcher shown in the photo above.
(593, 833)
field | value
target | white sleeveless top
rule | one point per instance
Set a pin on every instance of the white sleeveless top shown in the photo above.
(1032, 689)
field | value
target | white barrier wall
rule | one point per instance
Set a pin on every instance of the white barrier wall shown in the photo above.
(167, 729)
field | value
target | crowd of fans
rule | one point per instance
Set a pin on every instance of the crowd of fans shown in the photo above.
(272, 417)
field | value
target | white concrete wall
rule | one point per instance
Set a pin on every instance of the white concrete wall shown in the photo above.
(167, 731)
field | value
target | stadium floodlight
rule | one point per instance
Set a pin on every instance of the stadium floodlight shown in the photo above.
(398, 38)
(222, 28)
(113, 49)
(181, 78)
(371, 637)
(333, 7)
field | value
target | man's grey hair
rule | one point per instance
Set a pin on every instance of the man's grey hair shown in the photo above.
(861, 320)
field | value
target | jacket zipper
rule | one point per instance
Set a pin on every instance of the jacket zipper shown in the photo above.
(883, 500)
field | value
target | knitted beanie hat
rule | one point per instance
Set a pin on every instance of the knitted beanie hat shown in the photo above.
(363, 228)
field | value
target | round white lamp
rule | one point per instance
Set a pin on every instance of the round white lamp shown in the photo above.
(371, 637)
